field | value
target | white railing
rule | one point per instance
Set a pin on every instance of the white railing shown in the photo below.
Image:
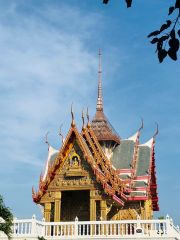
(151, 229)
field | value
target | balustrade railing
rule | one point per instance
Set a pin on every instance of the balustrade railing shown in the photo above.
(95, 229)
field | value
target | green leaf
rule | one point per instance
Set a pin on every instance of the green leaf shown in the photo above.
(155, 40)
(129, 2)
(161, 55)
(177, 5)
(155, 33)
(178, 32)
(8, 217)
(172, 54)
(171, 9)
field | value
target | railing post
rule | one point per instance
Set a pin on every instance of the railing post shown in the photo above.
(43, 229)
(138, 222)
(76, 227)
(33, 228)
(167, 225)
(14, 225)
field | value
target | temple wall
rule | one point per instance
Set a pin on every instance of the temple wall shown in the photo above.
(130, 211)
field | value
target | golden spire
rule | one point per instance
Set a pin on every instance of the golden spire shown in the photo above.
(84, 127)
(73, 124)
(47, 140)
(155, 133)
(99, 100)
(88, 124)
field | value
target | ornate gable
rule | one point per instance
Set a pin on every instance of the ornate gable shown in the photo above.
(70, 168)
(74, 174)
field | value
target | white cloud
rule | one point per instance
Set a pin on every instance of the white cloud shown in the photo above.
(44, 66)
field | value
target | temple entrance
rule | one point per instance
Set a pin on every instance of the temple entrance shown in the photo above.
(75, 204)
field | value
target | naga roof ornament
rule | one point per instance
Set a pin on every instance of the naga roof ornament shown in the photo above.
(140, 127)
(60, 134)
(47, 140)
(88, 124)
(155, 133)
(73, 124)
(83, 127)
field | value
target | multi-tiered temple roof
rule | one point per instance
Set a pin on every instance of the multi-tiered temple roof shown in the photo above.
(123, 170)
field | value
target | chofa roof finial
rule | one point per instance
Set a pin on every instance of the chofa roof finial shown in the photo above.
(84, 127)
(73, 124)
(60, 134)
(155, 133)
(140, 127)
(88, 124)
(142, 124)
(47, 140)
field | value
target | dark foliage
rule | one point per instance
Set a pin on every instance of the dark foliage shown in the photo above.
(105, 1)
(162, 41)
(129, 2)
(8, 217)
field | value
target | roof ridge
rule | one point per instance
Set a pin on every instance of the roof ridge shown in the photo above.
(111, 175)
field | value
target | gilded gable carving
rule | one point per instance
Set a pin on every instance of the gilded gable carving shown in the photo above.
(74, 160)
(74, 181)
(74, 172)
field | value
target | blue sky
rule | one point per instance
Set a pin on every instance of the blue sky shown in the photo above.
(49, 58)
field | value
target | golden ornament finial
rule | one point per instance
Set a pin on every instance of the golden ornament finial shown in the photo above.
(84, 127)
(47, 140)
(73, 124)
(60, 134)
(99, 51)
(88, 124)
(155, 133)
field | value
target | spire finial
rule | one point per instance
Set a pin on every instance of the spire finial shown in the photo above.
(99, 101)
(88, 124)
(73, 124)
(84, 127)
(155, 133)
(47, 140)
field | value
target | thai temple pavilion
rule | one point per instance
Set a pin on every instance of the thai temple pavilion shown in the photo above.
(97, 176)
